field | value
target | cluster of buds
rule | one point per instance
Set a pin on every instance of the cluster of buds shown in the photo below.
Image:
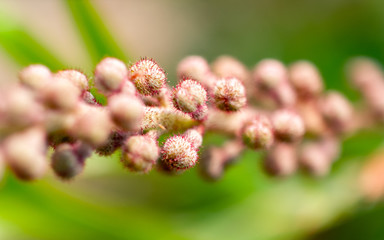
(278, 110)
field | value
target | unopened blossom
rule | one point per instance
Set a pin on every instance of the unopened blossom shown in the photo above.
(178, 153)
(288, 125)
(75, 77)
(258, 133)
(126, 111)
(281, 160)
(269, 73)
(306, 79)
(110, 74)
(229, 94)
(35, 76)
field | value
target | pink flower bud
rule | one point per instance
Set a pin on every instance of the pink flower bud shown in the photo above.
(126, 111)
(227, 67)
(178, 153)
(195, 137)
(281, 160)
(314, 159)
(140, 153)
(337, 111)
(60, 94)
(196, 68)
(229, 94)
(188, 96)
(75, 77)
(288, 126)
(306, 79)
(258, 133)
(25, 153)
(110, 74)
(35, 76)
(148, 77)
(269, 73)
(364, 72)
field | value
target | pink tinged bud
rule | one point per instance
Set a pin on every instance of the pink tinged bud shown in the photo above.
(140, 153)
(60, 94)
(337, 111)
(75, 77)
(288, 126)
(227, 66)
(68, 160)
(115, 140)
(189, 96)
(89, 98)
(194, 136)
(35, 76)
(229, 94)
(148, 77)
(25, 153)
(201, 113)
(128, 88)
(306, 79)
(315, 159)
(196, 68)
(258, 133)
(284, 95)
(92, 125)
(269, 74)
(110, 74)
(281, 160)
(364, 72)
(178, 153)
(126, 111)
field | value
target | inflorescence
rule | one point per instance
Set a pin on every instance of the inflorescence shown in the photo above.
(281, 111)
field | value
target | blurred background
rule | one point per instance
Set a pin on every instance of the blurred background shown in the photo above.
(107, 202)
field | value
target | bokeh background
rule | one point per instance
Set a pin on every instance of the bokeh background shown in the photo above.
(107, 202)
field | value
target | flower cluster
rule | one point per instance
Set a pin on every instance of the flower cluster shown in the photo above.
(279, 110)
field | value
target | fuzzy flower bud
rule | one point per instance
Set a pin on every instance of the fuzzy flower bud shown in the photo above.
(195, 137)
(229, 94)
(110, 74)
(140, 153)
(148, 77)
(364, 72)
(25, 153)
(281, 160)
(35, 76)
(178, 153)
(188, 96)
(196, 68)
(258, 133)
(288, 126)
(227, 66)
(306, 79)
(68, 160)
(314, 159)
(126, 111)
(269, 73)
(75, 77)
(337, 111)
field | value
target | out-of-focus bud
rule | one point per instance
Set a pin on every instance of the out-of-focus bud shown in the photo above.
(140, 153)
(194, 136)
(148, 77)
(196, 68)
(306, 79)
(285, 96)
(126, 111)
(371, 178)
(201, 113)
(89, 98)
(75, 77)
(110, 74)
(25, 153)
(281, 160)
(189, 96)
(258, 133)
(227, 67)
(60, 94)
(269, 74)
(92, 125)
(364, 72)
(114, 141)
(229, 94)
(35, 76)
(68, 160)
(337, 111)
(178, 153)
(128, 88)
(312, 118)
(288, 126)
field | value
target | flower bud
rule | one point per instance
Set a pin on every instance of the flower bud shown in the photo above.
(227, 67)
(337, 111)
(110, 74)
(68, 160)
(364, 72)
(258, 133)
(312, 118)
(25, 153)
(306, 79)
(229, 94)
(269, 74)
(196, 68)
(281, 160)
(314, 159)
(148, 77)
(75, 77)
(115, 140)
(92, 125)
(140, 153)
(201, 113)
(60, 94)
(126, 111)
(285, 96)
(35, 76)
(178, 153)
(194, 136)
(288, 126)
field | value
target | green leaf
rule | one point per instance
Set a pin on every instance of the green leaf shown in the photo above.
(97, 39)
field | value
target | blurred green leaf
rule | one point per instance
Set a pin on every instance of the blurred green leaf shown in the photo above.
(97, 39)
